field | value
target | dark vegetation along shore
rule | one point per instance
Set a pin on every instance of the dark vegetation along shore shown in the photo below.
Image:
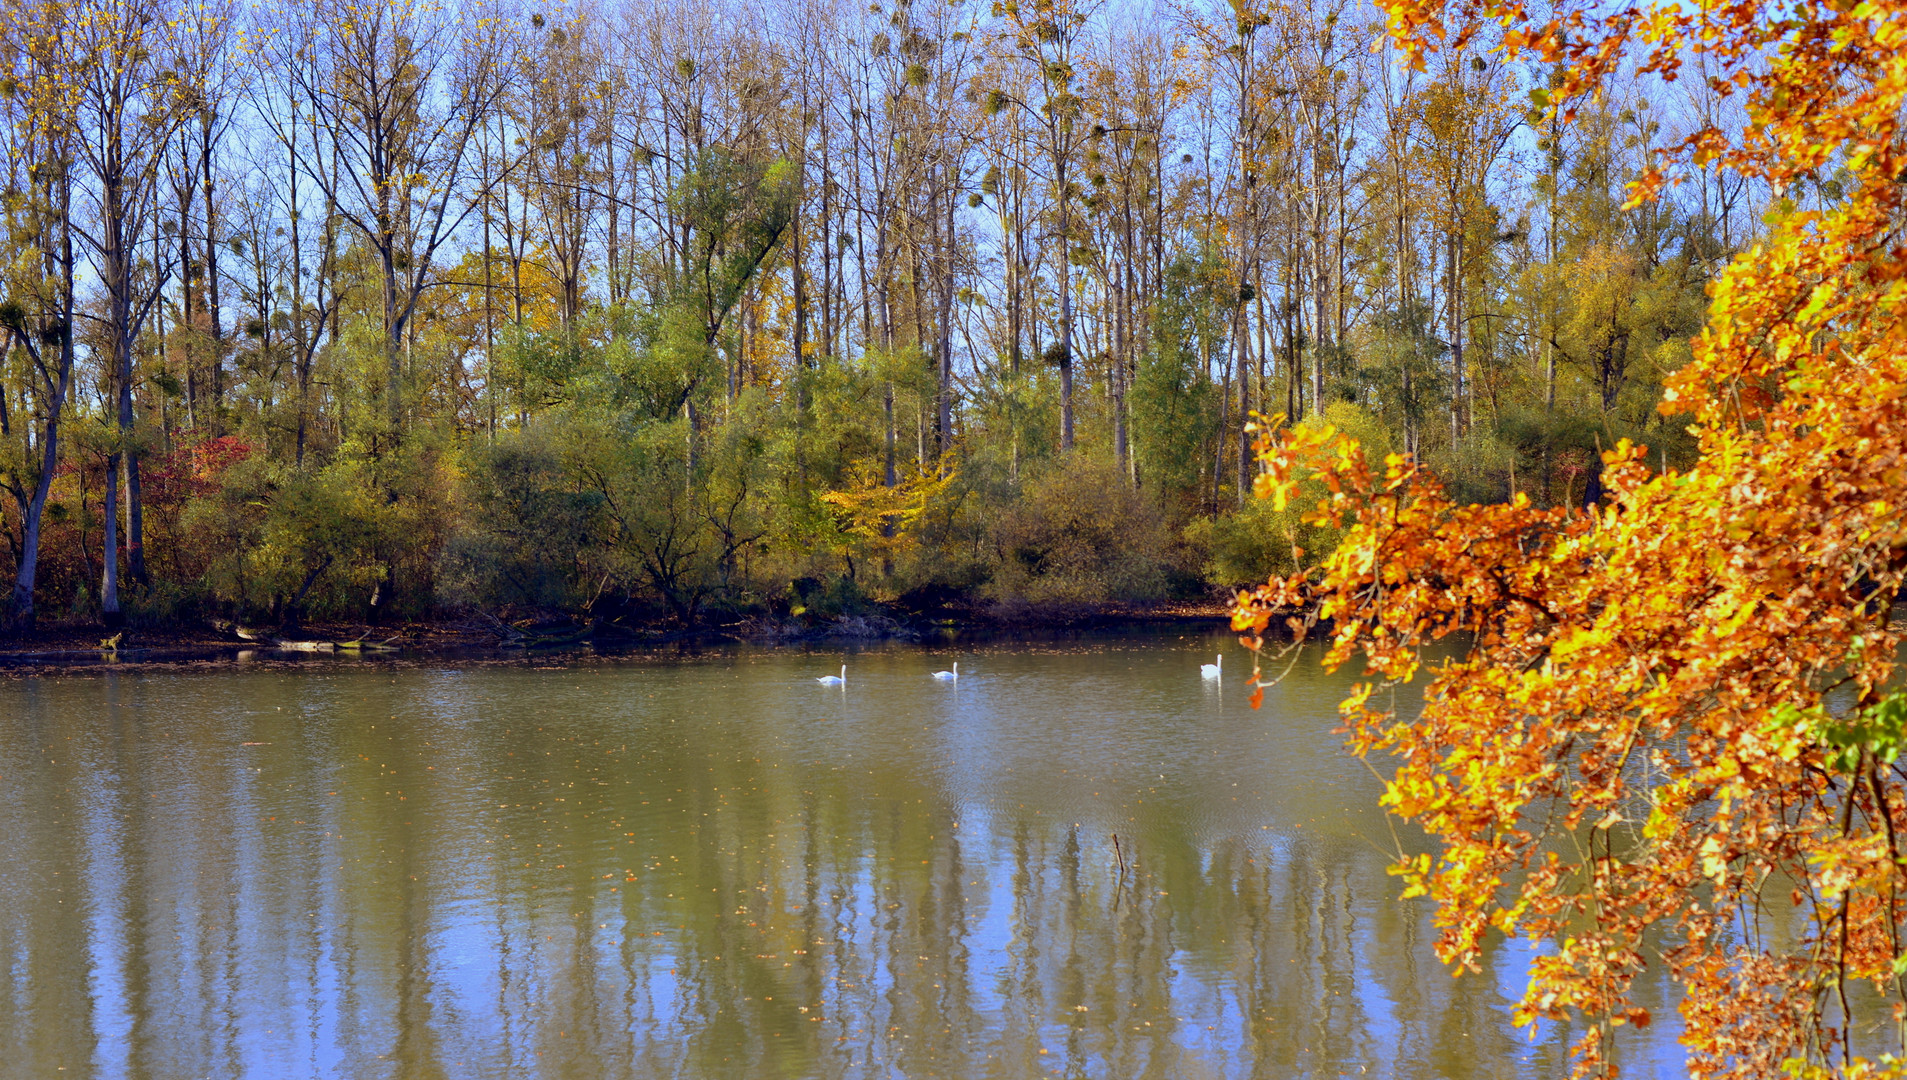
(781, 321)
(76, 641)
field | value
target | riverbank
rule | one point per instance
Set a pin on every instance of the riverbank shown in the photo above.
(78, 645)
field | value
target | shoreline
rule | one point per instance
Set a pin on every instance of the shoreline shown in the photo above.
(75, 647)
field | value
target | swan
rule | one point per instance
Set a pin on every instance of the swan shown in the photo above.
(1213, 671)
(835, 680)
(949, 676)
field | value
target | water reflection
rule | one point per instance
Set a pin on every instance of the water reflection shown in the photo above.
(717, 868)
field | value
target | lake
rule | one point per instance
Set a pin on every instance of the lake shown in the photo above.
(710, 865)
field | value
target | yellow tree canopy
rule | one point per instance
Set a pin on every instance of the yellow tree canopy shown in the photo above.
(884, 522)
(1670, 733)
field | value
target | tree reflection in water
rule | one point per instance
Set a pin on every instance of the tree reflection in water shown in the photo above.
(701, 870)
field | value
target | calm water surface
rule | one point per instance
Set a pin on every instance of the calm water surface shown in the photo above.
(715, 867)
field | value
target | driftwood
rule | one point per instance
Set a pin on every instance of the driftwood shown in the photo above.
(361, 644)
(524, 635)
(243, 633)
(507, 636)
(276, 639)
(527, 638)
(358, 644)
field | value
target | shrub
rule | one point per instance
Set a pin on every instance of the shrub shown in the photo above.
(524, 529)
(1080, 535)
(1258, 542)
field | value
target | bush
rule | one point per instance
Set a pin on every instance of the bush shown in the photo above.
(1259, 542)
(354, 539)
(1080, 535)
(524, 531)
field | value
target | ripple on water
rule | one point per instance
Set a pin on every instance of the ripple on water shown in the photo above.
(712, 866)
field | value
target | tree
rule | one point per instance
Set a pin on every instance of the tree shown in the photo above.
(1171, 404)
(565, 128)
(1133, 98)
(665, 529)
(1671, 732)
(1328, 87)
(277, 105)
(1467, 120)
(402, 93)
(1242, 50)
(128, 111)
(733, 209)
(1046, 36)
(37, 316)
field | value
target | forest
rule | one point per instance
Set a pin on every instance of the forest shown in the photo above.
(685, 313)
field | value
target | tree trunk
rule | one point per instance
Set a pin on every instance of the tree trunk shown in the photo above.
(1454, 296)
(299, 332)
(216, 332)
(943, 401)
(888, 475)
(56, 390)
(1119, 285)
(393, 345)
(135, 507)
(26, 578)
(109, 549)
(188, 288)
(1218, 454)
(1065, 316)
(1243, 336)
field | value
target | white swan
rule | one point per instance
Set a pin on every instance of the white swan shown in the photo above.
(949, 676)
(835, 680)
(1213, 671)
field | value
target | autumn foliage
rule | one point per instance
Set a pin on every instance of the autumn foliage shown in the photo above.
(1668, 732)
